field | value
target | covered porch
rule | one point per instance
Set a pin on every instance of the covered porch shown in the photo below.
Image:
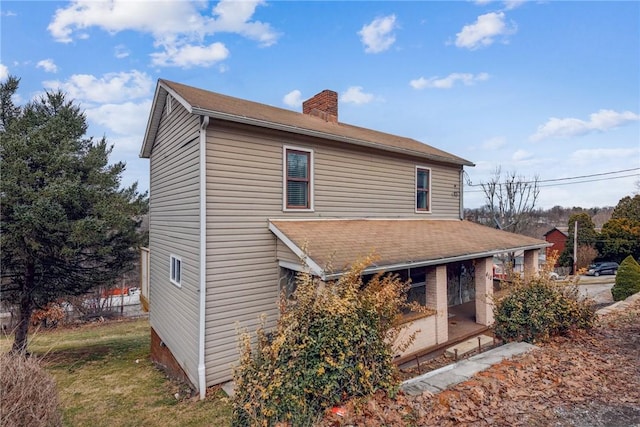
(449, 263)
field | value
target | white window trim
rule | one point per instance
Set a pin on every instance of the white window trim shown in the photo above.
(284, 179)
(178, 283)
(415, 190)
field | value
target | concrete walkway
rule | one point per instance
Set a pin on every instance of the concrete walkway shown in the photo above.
(438, 380)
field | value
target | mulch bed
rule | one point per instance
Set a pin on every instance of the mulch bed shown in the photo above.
(590, 378)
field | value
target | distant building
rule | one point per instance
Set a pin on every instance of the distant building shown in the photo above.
(558, 237)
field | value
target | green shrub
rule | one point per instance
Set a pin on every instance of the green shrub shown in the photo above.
(537, 309)
(627, 279)
(331, 343)
(28, 394)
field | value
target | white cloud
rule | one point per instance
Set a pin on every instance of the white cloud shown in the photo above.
(512, 4)
(355, 95)
(121, 51)
(494, 143)
(48, 65)
(179, 28)
(293, 98)
(234, 17)
(190, 55)
(4, 72)
(484, 31)
(124, 119)
(110, 88)
(601, 121)
(447, 82)
(508, 5)
(127, 146)
(520, 155)
(599, 155)
(378, 35)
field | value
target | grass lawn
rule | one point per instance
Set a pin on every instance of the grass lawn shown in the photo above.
(105, 378)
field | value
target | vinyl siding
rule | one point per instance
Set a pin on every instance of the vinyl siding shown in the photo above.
(174, 229)
(244, 189)
(285, 254)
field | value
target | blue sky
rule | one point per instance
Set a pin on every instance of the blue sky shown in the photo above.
(540, 88)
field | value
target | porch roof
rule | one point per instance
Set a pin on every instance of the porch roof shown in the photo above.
(396, 243)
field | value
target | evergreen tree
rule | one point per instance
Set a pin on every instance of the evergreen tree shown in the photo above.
(627, 208)
(66, 223)
(620, 236)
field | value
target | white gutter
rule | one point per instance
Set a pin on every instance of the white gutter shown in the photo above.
(202, 377)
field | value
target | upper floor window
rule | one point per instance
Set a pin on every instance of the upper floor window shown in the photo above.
(298, 179)
(423, 187)
(175, 270)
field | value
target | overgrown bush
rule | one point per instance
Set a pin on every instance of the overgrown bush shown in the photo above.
(28, 394)
(627, 279)
(537, 308)
(331, 342)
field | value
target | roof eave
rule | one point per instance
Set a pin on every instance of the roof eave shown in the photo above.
(153, 123)
(308, 132)
(439, 261)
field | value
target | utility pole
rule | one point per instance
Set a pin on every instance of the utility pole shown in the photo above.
(575, 248)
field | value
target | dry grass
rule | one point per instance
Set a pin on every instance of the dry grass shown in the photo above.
(28, 395)
(105, 378)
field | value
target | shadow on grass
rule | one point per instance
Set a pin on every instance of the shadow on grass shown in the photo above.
(75, 357)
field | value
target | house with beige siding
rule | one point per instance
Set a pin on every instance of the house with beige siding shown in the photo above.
(244, 195)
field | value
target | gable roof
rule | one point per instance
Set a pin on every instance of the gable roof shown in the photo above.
(223, 107)
(563, 230)
(397, 243)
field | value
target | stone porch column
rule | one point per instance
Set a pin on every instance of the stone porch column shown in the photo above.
(530, 264)
(484, 291)
(437, 299)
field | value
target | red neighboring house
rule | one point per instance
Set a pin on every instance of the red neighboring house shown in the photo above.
(558, 236)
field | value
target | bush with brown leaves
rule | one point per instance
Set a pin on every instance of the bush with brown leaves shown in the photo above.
(331, 343)
(28, 396)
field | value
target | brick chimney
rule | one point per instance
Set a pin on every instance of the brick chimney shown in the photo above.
(323, 105)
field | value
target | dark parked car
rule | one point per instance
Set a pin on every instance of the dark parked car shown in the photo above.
(602, 268)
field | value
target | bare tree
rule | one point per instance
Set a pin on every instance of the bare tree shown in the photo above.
(511, 200)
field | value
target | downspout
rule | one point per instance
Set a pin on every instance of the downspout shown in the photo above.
(202, 377)
(461, 200)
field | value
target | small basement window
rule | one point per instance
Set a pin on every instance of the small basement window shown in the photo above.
(175, 270)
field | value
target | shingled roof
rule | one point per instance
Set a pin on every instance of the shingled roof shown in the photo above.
(397, 243)
(223, 107)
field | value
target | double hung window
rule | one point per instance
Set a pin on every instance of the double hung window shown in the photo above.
(423, 193)
(298, 177)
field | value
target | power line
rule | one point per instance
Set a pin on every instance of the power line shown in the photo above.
(571, 183)
(570, 178)
(591, 180)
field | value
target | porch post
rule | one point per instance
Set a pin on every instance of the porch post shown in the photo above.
(484, 291)
(530, 263)
(437, 299)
